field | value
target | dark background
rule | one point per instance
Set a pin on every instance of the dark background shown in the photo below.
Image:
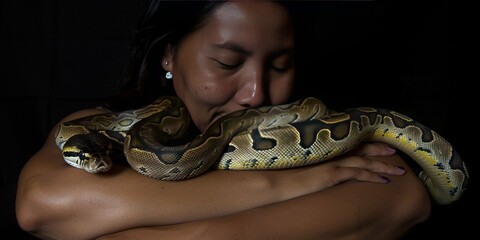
(61, 56)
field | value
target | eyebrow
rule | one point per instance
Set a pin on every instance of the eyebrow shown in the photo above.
(233, 47)
(237, 48)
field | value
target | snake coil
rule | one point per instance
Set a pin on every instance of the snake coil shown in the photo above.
(155, 141)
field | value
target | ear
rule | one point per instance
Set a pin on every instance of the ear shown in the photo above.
(167, 60)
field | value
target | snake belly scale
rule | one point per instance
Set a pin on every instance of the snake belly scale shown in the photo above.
(157, 142)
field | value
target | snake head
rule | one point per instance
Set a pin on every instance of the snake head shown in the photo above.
(90, 162)
(90, 152)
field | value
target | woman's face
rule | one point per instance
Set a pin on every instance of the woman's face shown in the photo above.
(241, 57)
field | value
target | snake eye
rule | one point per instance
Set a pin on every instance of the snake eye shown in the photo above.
(82, 156)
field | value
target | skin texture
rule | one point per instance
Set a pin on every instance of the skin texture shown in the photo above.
(347, 211)
(239, 58)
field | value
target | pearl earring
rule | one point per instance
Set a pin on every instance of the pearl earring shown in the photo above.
(168, 75)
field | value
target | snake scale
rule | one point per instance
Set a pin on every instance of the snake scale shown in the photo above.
(155, 141)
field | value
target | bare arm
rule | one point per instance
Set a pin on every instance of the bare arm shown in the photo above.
(354, 210)
(55, 200)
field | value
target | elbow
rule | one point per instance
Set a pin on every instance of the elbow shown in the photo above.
(37, 205)
(30, 206)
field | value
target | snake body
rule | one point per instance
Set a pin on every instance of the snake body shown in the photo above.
(156, 141)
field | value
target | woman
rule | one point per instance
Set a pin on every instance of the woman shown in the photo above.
(219, 57)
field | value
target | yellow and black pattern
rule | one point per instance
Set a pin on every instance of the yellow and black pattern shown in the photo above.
(156, 141)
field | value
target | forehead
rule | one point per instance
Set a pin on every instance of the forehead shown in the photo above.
(249, 22)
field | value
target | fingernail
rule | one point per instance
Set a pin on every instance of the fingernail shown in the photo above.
(385, 179)
(390, 148)
(401, 168)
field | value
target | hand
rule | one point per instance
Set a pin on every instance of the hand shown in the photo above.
(373, 149)
(362, 164)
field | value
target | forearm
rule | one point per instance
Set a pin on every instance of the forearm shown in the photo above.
(354, 210)
(59, 199)
(55, 199)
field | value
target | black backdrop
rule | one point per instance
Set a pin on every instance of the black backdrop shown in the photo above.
(61, 56)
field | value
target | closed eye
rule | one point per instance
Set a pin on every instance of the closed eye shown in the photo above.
(227, 65)
(280, 69)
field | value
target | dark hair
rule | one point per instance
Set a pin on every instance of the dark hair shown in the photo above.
(162, 23)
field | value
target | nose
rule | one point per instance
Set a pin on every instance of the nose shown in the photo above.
(251, 91)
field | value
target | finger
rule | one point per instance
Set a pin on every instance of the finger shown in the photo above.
(369, 164)
(373, 149)
(345, 174)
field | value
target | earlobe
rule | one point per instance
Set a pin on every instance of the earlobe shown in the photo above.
(167, 58)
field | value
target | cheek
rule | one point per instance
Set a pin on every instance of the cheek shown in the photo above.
(202, 92)
(204, 102)
(202, 84)
(212, 93)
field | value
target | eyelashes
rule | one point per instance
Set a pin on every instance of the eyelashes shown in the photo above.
(227, 66)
